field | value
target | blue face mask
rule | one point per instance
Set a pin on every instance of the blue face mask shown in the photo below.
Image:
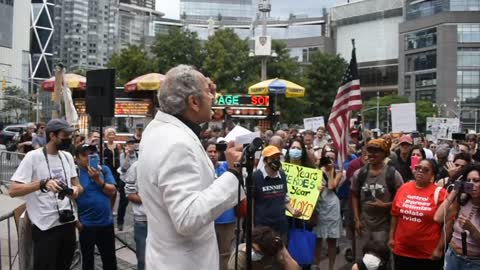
(295, 154)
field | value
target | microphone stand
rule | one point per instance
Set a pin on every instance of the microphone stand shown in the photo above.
(249, 160)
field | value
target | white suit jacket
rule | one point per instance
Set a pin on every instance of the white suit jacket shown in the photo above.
(181, 198)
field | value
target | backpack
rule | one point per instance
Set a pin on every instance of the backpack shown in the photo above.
(389, 179)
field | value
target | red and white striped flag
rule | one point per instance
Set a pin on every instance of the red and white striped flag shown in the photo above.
(347, 100)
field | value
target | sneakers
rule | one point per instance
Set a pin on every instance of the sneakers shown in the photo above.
(120, 227)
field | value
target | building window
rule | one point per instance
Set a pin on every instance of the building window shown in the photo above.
(464, 5)
(425, 95)
(468, 32)
(425, 80)
(418, 9)
(468, 57)
(469, 95)
(468, 77)
(421, 39)
(378, 76)
(421, 61)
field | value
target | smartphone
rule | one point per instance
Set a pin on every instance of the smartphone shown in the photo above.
(414, 161)
(93, 161)
(458, 136)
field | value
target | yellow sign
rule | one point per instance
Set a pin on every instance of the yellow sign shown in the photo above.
(304, 185)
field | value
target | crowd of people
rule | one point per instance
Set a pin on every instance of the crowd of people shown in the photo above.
(403, 201)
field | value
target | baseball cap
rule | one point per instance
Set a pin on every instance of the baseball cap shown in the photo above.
(131, 141)
(58, 124)
(405, 139)
(86, 148)
(270, 151)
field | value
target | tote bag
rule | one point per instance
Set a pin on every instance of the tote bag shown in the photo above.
(301, 244)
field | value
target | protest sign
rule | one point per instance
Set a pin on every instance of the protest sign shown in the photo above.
(304, 186)
(441, 128)
(313, 123)
(404, 117)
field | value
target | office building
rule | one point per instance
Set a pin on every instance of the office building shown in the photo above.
(439, 56)
(373, 24)
(136, 25)
(228, 10)
(149, 4)
(15, 43)
(41, 38)
(85, 32)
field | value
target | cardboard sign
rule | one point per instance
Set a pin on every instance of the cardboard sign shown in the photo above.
(304, 185)
(441, 128)
(313, 123)
(404, 117)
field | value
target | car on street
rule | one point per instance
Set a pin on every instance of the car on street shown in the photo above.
(7, 135)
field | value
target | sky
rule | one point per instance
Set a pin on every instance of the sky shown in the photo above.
(280, 8)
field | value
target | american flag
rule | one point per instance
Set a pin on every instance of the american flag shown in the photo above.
(347, 100)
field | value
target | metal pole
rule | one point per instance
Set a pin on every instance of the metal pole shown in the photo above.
(264, 58)
(263, 75)
(476, 115)
(378, 110)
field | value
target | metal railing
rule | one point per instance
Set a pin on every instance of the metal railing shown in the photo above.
(9, 162)
(11, 260)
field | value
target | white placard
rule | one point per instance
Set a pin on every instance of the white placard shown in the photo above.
(404, 117)
(240, 135)
(263, 46)
(313, 123)
(442, 128)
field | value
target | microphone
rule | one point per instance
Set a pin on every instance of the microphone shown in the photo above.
(253, 147)
(464, 243)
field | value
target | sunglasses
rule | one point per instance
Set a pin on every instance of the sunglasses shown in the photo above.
(422, 169)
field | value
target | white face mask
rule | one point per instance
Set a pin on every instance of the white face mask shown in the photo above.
(371, 262)
(256, 256)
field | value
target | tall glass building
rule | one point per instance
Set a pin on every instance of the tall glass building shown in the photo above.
(229, 10)
(439, 56)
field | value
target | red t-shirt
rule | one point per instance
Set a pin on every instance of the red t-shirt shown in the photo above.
(417, 234)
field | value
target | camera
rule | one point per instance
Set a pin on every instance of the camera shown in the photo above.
(65, 216)
(463, 186)
(65, 190)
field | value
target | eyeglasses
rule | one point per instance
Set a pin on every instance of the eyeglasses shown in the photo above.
(421, 169)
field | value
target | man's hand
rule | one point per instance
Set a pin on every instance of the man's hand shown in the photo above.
(94, 174)
(53, 186)
(233, 155)
(359, 227)
(377, 203)
(297, 213)
(452, 169)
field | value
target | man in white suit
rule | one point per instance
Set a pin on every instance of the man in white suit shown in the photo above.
(177, 179)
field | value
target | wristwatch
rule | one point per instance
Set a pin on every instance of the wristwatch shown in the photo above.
(43, 185)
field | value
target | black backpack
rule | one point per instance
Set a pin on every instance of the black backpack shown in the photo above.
(389, 179)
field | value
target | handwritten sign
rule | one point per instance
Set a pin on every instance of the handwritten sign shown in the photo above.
(313, 123)
(304, 186)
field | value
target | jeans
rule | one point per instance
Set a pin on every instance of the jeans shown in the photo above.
(457, 262)
(123, 203)
(104, 238)
(140, 235)
(53, 249)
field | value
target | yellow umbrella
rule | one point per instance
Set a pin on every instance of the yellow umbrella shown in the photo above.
(277, 87)
(72, 81)
(150, 81)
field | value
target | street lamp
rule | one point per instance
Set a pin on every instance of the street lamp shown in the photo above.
(263, 43)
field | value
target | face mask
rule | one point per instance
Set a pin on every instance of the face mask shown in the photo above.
(256, 256)
(64, 144)
(275, 165)
(371, 262)
(295, 154)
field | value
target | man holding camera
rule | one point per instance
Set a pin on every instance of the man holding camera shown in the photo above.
(48, 180)
(94, 209)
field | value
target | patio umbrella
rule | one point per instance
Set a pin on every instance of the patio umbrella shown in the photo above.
(150, 81)
(73, 81)
(277, 87)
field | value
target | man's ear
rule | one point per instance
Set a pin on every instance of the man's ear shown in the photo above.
(193, 103)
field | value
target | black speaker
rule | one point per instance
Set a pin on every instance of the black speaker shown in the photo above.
(100, 96)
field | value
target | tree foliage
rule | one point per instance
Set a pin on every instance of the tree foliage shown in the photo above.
(130, 63)
(324, 78)
(424, 109)
(177, 47)
(14, 103)
(227, 62)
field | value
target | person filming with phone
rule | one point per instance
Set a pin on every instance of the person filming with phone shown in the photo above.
(48, 180)
(463, 205)
(94, 209)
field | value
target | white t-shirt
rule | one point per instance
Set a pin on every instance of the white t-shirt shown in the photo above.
(42, 207)
(428, 153)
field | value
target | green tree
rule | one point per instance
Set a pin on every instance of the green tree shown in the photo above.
(424, 109)
(14, 103)
(227, 62)
(324, 76)
(130, 63)
(177, 47)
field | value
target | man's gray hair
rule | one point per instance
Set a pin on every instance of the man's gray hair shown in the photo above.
(180, 82)
(443, 151)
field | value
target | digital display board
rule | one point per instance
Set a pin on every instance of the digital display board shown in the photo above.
(242, 100)
(122, 107)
